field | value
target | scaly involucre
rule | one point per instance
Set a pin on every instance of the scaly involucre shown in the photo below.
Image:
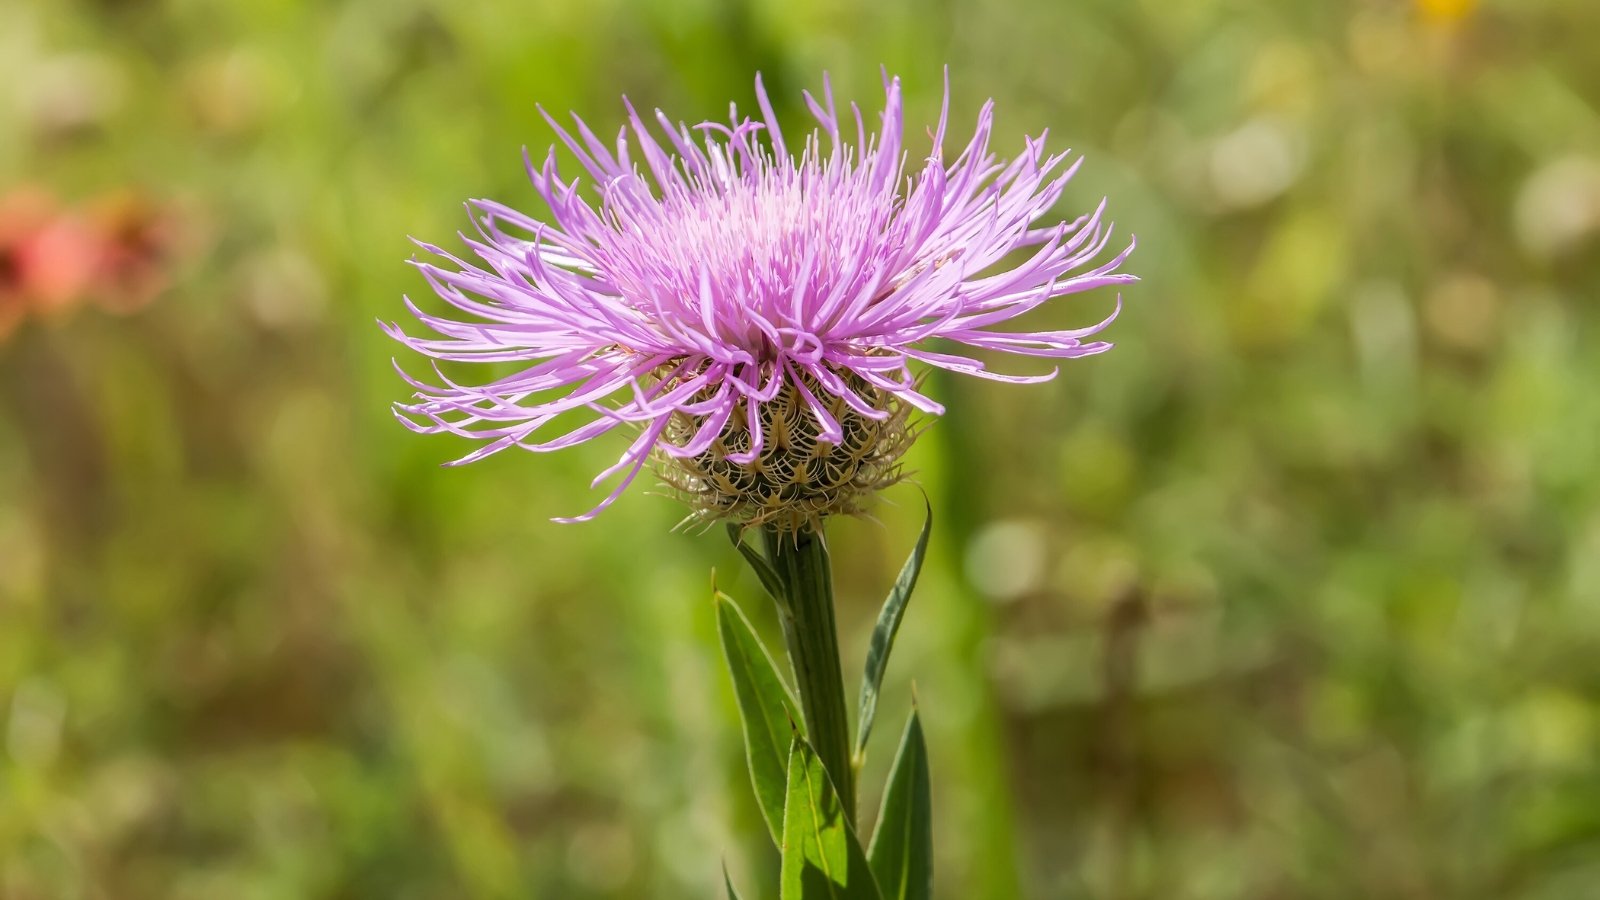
(718, 275)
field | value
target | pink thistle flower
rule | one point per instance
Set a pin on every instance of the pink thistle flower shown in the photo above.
(752, 313)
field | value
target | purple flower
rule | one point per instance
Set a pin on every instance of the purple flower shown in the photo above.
(753, 314)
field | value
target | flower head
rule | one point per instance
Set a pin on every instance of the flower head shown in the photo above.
(753, 313)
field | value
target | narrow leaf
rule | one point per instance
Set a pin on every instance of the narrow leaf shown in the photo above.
(894, 609)
(822, 860)
(764, 571)
(902, 847)
(767, 711)
(727, 879)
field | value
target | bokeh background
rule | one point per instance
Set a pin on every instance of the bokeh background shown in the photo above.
(1295, 594)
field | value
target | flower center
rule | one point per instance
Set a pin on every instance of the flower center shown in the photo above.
(798, 478)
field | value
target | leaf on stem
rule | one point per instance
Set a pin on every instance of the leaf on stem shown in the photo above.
(883, 634)
(727, 879)
(767, 711)
(764, 571)
(901, 855)
(822, 860)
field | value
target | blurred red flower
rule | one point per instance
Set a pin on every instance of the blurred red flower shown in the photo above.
(138, 242)
(52, 258)
(48, 257)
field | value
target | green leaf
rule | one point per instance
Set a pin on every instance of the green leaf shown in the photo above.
(822, 860)
(727, 879)
(767, 710)
(764, 571)
(894, 609)
(902, 847)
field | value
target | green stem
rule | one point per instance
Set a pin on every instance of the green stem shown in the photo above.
(801, 561)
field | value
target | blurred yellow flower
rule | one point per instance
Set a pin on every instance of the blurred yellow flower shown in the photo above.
(1446, 11)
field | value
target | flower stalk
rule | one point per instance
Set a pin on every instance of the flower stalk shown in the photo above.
(800, 560)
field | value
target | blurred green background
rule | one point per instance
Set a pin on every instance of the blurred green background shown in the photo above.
(1295, 594)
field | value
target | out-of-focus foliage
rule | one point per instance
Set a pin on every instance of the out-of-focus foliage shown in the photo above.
(1296, 594)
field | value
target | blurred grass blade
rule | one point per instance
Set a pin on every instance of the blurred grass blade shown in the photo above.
(767, 711)
(901, 856)
(822, 860)
(764, 571)
(894, 609)
(728, 880)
